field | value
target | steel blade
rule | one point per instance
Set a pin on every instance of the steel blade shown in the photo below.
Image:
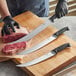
(40, 45)
(34, 32)
(35, 61)
(46, 56)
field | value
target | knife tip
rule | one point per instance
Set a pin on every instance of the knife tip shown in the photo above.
(19, 66)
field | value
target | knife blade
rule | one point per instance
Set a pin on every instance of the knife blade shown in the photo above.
(44, 42)
(36, 31)
(46, 56)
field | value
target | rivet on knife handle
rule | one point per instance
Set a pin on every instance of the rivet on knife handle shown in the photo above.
(61, 31)
(62, 47)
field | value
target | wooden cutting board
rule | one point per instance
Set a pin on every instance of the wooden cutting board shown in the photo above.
(51, 65)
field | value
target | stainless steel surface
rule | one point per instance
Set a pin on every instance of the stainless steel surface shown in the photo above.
(38, 46)
(44, 57)
(34, 32)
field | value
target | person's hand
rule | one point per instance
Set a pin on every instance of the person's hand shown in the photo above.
(61, 9)
(9, 23)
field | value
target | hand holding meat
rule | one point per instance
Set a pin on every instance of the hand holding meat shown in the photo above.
(61, 8)
(9, 23)
(10, 49)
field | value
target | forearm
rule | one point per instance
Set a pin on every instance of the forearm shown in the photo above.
(4, 9)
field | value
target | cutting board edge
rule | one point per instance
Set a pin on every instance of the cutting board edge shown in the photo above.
(57, 69)
(23, 68)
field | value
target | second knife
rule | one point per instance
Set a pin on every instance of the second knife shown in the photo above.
(46, 41)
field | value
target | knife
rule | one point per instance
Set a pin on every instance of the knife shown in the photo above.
(36, 31)
(46, 56)
(46, 41)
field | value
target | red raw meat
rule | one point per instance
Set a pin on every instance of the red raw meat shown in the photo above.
(14, 48)
(12, 37)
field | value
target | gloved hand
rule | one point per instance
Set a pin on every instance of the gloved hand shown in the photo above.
(61, 8)
(9, 23)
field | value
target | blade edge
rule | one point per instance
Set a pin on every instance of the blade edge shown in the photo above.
(34, 32)
(37, 60)
(38, 46)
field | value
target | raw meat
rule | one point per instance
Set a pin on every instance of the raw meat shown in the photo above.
(12, 37)
(14, 48)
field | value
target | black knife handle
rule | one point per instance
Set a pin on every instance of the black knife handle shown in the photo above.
(61, 31)
(62, 47)
(52, 18)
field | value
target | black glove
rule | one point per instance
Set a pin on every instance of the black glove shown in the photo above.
(61, 9)
(9, 23)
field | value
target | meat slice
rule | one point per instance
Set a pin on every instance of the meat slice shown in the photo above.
(12, 37)
(11, 49)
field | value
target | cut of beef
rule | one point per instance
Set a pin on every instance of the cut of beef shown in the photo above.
(12, 37)
(14, 48)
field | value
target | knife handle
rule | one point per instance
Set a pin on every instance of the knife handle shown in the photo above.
(62, 47)
(52, 18)
(61, 31)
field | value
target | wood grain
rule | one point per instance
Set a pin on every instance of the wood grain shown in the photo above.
(51, 65)
(66, 72)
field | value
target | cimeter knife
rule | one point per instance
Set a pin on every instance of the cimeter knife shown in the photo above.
(36, 30)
